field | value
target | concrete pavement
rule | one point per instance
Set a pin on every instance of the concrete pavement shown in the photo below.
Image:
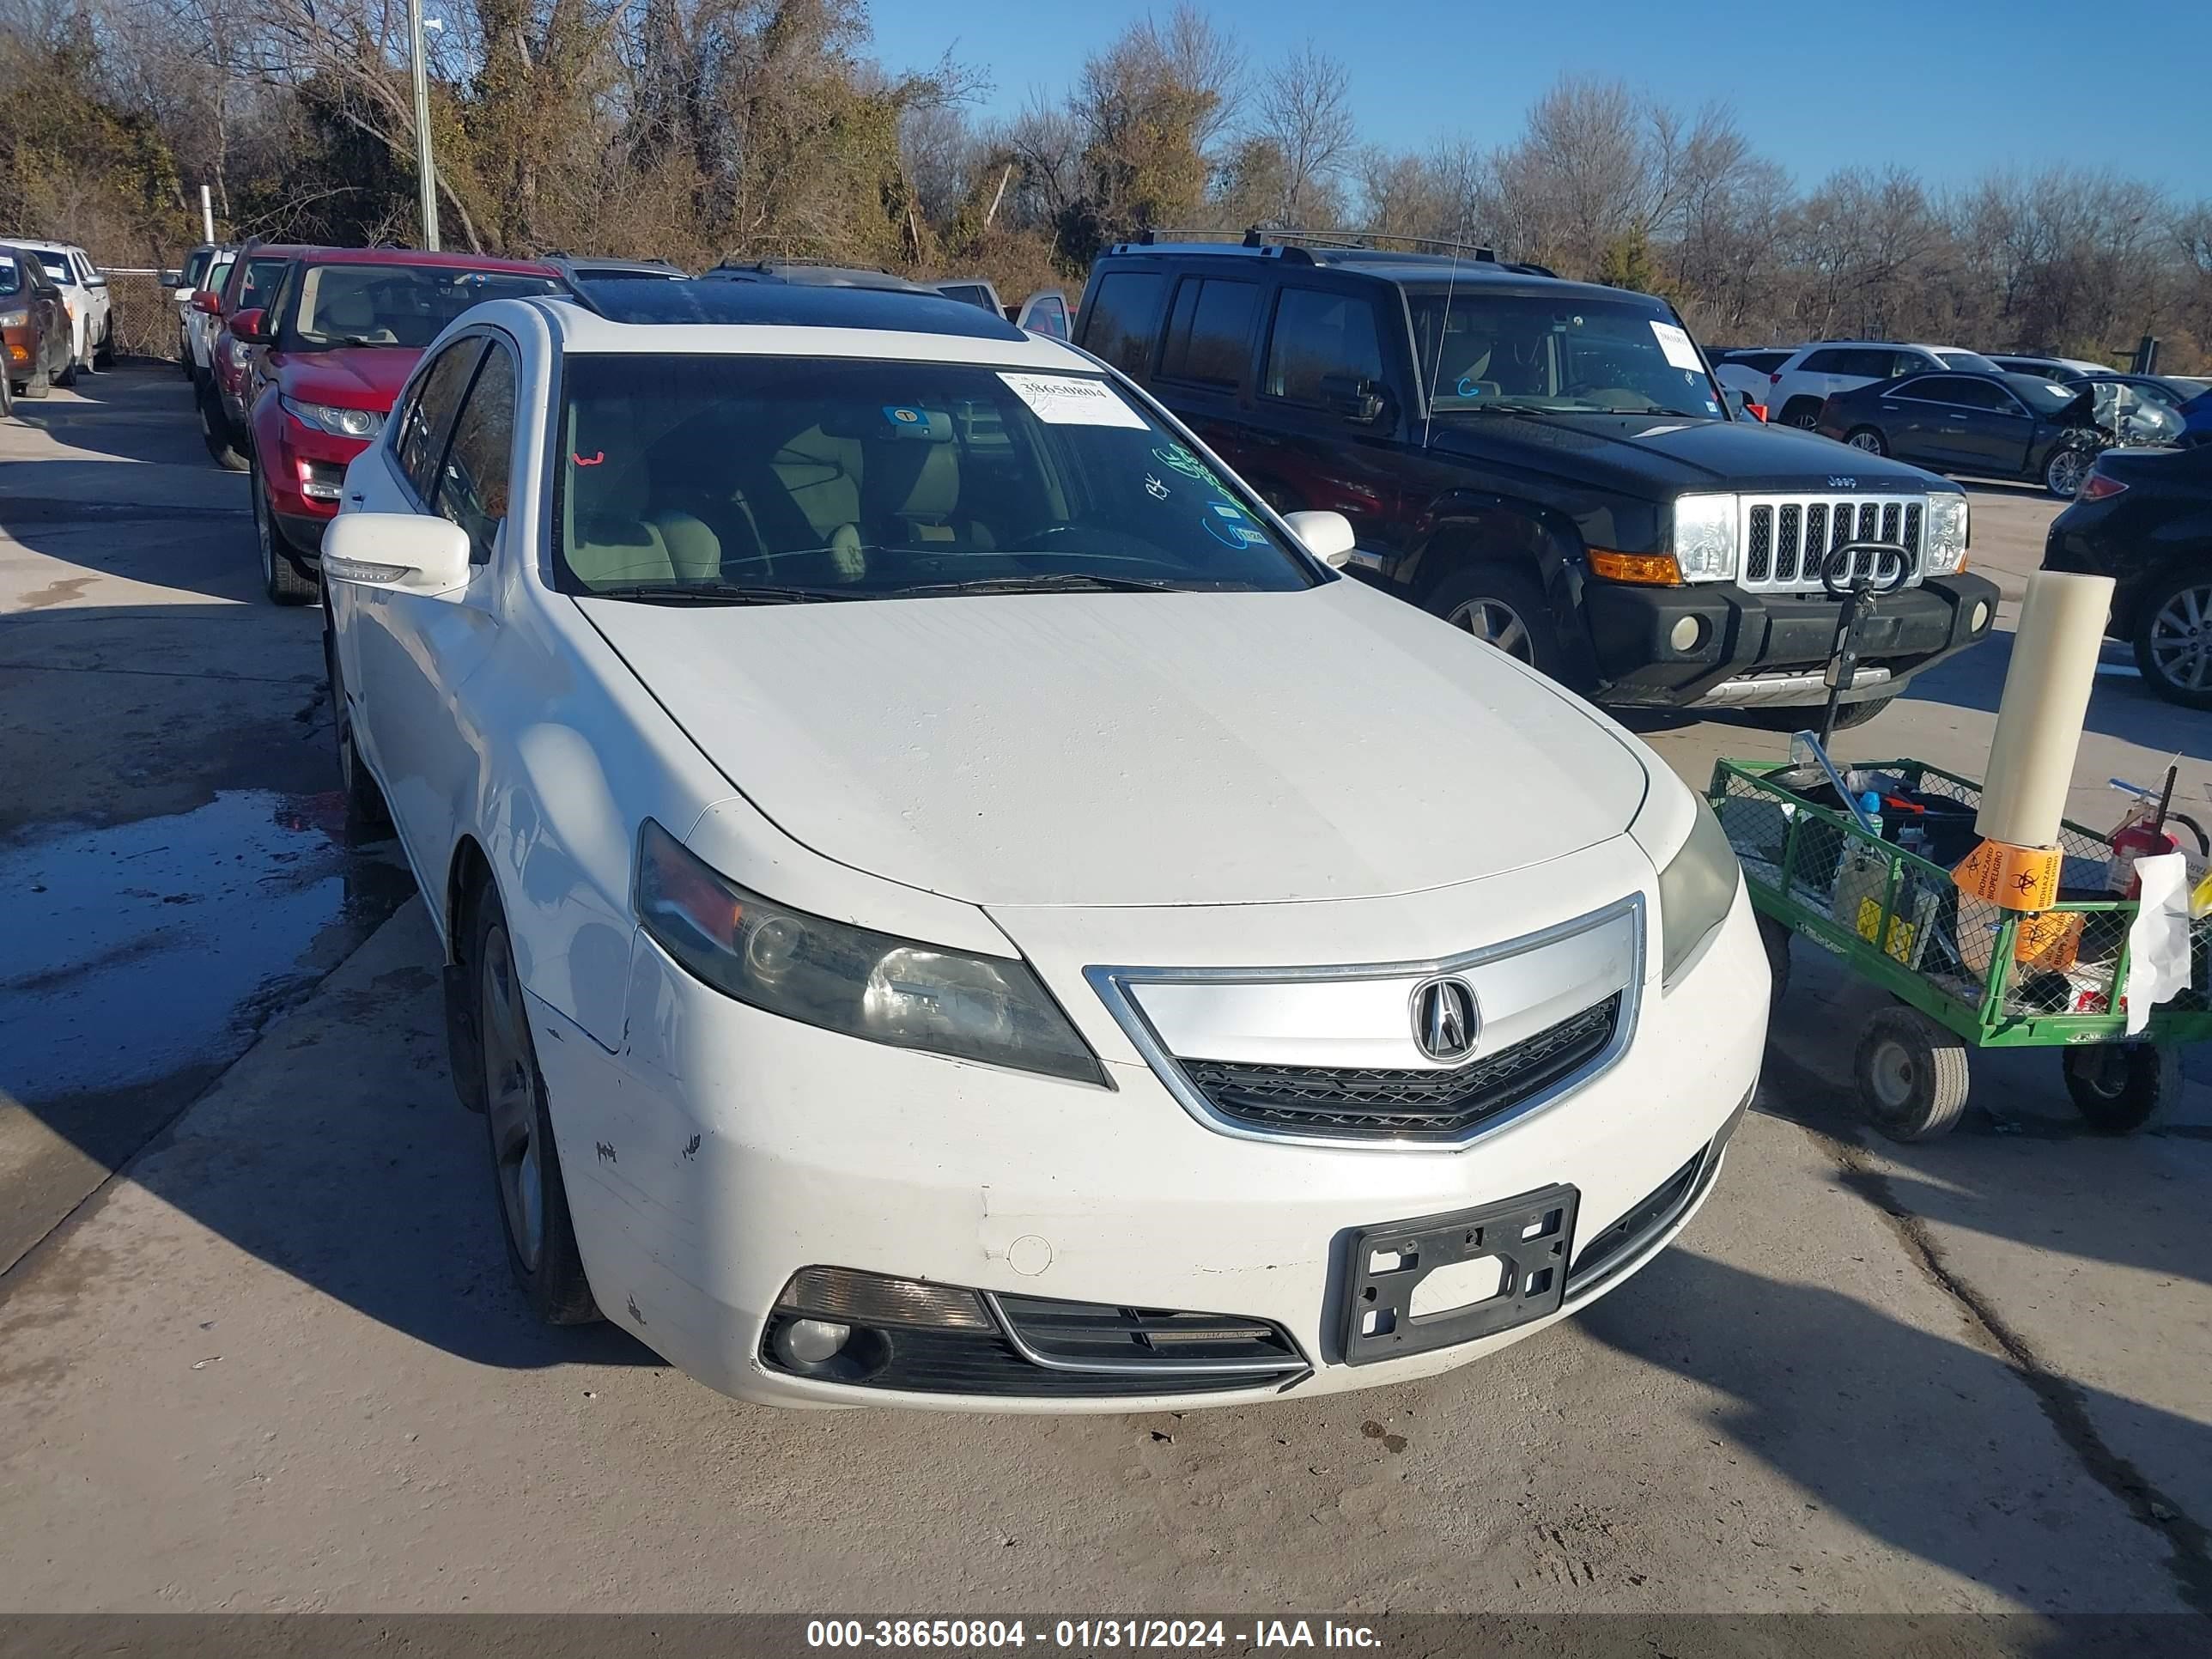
(277, 1363)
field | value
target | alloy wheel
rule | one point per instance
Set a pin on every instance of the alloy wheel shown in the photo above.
(2181, 639)
(1499, 623)
(511, 1100)
(2065, 473)
(1871, 442)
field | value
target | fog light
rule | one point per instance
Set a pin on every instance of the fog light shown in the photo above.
(1980, 619)
(810, 1341)
(1687, 634)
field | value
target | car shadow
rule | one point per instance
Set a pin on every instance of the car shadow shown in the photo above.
(2121, 706)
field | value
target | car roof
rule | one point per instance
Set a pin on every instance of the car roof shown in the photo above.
(810, 273)
(1382, 264)
(574, 264)
(412, 256)
(776, 319)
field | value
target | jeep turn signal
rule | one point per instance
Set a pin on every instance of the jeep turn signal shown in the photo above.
(1653, 569)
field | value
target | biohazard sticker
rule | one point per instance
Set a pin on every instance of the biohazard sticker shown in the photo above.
(1064, 400)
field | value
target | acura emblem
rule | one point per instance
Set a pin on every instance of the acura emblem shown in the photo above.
(1444, 1019)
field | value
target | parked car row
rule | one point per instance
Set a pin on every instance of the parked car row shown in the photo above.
(1991, 405)
(55, 313)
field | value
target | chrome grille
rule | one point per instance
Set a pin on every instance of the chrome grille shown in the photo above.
(1783, 537)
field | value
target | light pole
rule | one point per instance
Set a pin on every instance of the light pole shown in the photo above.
(425, 170)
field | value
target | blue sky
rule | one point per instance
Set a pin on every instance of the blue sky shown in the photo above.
(1950, 87)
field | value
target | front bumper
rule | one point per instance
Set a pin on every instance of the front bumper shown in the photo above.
(722, 1149)
(304, 471)
(1743, 638)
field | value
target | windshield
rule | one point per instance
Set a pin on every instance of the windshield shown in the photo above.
(57, 267)
(11, 276)
(217, 275)
(346, 305)
(1969, 362)
(196, 267)
(820, 479)
(259, 282)
(1527, 351)
(2043, 396)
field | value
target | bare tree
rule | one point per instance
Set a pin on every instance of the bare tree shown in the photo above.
(1303, 110)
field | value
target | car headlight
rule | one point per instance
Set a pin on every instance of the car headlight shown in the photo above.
(1705, 537)
(1696, 891)
(15, 318)
(850, 979)
(238, 353)
(339, 422)
(1943, 544)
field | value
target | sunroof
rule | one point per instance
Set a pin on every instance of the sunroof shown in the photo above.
(787, 305)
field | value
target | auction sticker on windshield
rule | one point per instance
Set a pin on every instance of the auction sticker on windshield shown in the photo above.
(1065, 401)
(1675, 343)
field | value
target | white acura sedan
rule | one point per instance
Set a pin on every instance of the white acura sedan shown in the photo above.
(952, 902)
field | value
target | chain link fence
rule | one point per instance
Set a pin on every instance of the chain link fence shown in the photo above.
(145, 315)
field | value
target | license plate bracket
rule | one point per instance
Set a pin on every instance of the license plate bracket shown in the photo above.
(1531, 1237)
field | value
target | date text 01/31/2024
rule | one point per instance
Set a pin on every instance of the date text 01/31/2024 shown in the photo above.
(1083, 1635)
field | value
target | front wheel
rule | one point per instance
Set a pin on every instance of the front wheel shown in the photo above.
(2063, 472)
(215, 430)
(2118, 1087)
(282, 580)
(2172, 640)
(1802, 411)
(533, 1200)
(103, 356)
(1911, 1075)
(1503, 607)
(364, 801)
(1868, 439)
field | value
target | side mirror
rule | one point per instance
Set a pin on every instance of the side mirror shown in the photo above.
(1327, 536)
(246, 325)
(173, 279)
(1354, 397)
(415, 551)
(207, 300)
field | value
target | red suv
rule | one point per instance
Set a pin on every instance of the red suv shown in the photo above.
(336, 343)
(255, 275)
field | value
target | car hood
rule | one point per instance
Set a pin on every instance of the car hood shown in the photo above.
(1137, 749)
(350, 377)
(1653, 455)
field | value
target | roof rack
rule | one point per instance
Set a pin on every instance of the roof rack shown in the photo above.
(1299, 242)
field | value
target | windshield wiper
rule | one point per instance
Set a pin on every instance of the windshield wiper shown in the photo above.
(1058, 581)
(1651, 408)
(716, 593)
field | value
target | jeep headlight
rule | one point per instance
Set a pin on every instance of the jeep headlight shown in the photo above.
(851, 980)
(1943, 543)
(1696, 891)
(1705, 537)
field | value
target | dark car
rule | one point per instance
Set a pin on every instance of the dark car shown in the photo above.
(2144, 519)
(34, 328)
(1546, 464)
(1989, 426)
(338, 341)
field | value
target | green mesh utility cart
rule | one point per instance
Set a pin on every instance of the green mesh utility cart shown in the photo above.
(1968, 973)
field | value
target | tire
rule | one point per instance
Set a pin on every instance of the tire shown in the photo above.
(1806, 717)
(67, 377)
(42, 380)
(282, 578)
(1868, 439)
(2172, 640)
(2119, 1087)
(2063, 473)
(7, 398)
(1501, 605)
(364, 801)
(1801, 411)
(1911, 1075)
(215, 431)
(525, 1165)
(103, 356)
(1776, 938)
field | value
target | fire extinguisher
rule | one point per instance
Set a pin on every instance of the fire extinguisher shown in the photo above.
(2144, 834)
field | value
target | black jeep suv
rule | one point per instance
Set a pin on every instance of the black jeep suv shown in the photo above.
(1548, 464)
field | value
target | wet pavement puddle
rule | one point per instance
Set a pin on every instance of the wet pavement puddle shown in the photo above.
(136, 951)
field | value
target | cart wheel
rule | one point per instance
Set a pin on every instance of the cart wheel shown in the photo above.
(1911, 1075)
(1776, 938)
(2118, 1087)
